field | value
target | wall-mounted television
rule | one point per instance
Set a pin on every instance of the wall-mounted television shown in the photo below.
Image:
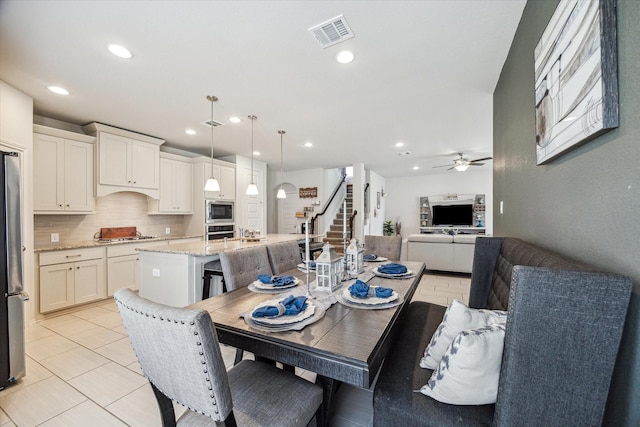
(450, 215)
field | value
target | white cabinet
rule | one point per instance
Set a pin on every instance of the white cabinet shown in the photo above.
(176, 186)
(226, 176)
(71, 277)
(127, 161)
(123, 268)
(63, 172)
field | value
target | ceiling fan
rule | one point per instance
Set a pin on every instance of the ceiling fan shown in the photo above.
(461, 163)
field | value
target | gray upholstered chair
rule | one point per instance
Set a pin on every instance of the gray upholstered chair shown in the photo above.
(240, 268)
(384, 246)
(179, 353)
(284, 256)
(243, 266)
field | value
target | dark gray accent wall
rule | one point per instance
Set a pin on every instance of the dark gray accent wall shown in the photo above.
(585, 204)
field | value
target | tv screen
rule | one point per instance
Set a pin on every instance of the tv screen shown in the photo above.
(447, 215)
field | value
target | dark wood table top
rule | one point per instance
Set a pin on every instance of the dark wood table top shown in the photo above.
(347, 344)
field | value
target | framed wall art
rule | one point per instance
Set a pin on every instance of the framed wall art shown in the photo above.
(576, 77)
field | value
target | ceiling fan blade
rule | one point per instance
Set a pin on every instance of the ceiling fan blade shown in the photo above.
(476, 164)
(441, 166)
(481, 160)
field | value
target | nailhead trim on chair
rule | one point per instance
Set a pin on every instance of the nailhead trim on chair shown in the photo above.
(201, 353)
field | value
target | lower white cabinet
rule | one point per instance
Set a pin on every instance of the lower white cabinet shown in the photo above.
(71, 277)
(123, 272)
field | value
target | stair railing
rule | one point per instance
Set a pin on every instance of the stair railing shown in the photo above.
(326, 206)
(351, 219)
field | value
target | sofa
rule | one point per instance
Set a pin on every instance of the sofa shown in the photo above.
(442, 252)
(562, 334)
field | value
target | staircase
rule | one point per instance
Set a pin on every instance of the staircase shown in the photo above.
(334, 235)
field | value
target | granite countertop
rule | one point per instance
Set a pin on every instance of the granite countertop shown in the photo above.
(94, 244)
(215, 247)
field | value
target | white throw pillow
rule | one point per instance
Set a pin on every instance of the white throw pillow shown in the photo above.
(457, 318)
(469, 371)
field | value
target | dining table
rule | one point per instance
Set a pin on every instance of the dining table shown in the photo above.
(343, 343)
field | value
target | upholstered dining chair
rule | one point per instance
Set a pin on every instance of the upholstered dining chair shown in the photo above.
(385, 246)
(284, 256)
(179, 353)
(240, 268)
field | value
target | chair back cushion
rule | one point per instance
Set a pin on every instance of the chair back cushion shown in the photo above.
(243, 266)
(284, 256)
(384, 246)
(561, 343)
(178, 352)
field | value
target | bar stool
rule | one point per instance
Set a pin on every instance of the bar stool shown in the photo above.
(212, 268)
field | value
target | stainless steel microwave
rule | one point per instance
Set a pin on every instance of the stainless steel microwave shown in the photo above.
(219, 212)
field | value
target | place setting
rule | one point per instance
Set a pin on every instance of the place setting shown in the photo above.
(374, 258)
(267, 283)
(361, 295)
(393, 270)
(291, 313)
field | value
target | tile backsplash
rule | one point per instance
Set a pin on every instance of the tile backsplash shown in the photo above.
(125, 209)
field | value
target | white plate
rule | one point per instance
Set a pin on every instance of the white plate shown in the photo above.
(303, 266)
(282, 320)
(378, 273)
(379, 259)
(342, 300)
(271, 287)
(369, 300)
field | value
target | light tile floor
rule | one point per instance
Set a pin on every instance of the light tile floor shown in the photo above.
(81, 370)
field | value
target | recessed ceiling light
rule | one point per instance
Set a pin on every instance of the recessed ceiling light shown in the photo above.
(399, 144)
(308, 144)
(345, 56)
(190, 132)
(415, 168)
(256, 153)
(234, 119)
(120, 51)
(59, 90)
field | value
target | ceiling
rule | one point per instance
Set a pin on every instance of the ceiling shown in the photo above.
(424, 73)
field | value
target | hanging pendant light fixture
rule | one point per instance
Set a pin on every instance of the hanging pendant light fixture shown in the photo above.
(281, 194)
(252, 189)
(212, 183)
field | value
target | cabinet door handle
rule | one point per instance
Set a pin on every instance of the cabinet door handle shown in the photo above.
(60, 205)
(73, 256)
(70, 268)
(78, 268)
(68, 205)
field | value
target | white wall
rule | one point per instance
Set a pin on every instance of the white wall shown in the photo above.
(403, 195)
(376, 216)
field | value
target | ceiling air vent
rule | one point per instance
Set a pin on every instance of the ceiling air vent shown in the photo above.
(333, 31)
(212, 123)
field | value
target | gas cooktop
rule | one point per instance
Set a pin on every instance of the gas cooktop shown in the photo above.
(125, 239)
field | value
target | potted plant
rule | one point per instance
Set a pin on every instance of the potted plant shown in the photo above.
(387, 228)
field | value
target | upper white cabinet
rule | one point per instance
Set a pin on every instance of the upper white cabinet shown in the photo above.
(63, 171)
(226, 176)
(176, 184)
(127, 161)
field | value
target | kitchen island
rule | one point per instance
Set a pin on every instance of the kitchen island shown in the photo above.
(172, 275)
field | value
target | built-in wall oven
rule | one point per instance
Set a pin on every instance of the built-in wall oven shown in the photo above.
(217, 232)
(219, 212)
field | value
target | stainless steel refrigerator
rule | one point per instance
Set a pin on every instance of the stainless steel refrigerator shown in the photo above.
(12, 351)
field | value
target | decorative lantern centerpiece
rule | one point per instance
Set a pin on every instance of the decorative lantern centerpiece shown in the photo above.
(355, 258)
(328, 269)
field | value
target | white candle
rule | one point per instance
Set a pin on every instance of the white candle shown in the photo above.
(306, 240)
(344, 218)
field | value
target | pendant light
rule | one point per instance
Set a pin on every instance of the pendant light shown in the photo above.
(252, 189)
(281, 194)
(212, 183)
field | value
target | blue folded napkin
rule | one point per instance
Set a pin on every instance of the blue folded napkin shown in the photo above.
(312, 264)
(392, 268)
(289, 306)
(362, 290)
(276, 280)
(370, 257)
